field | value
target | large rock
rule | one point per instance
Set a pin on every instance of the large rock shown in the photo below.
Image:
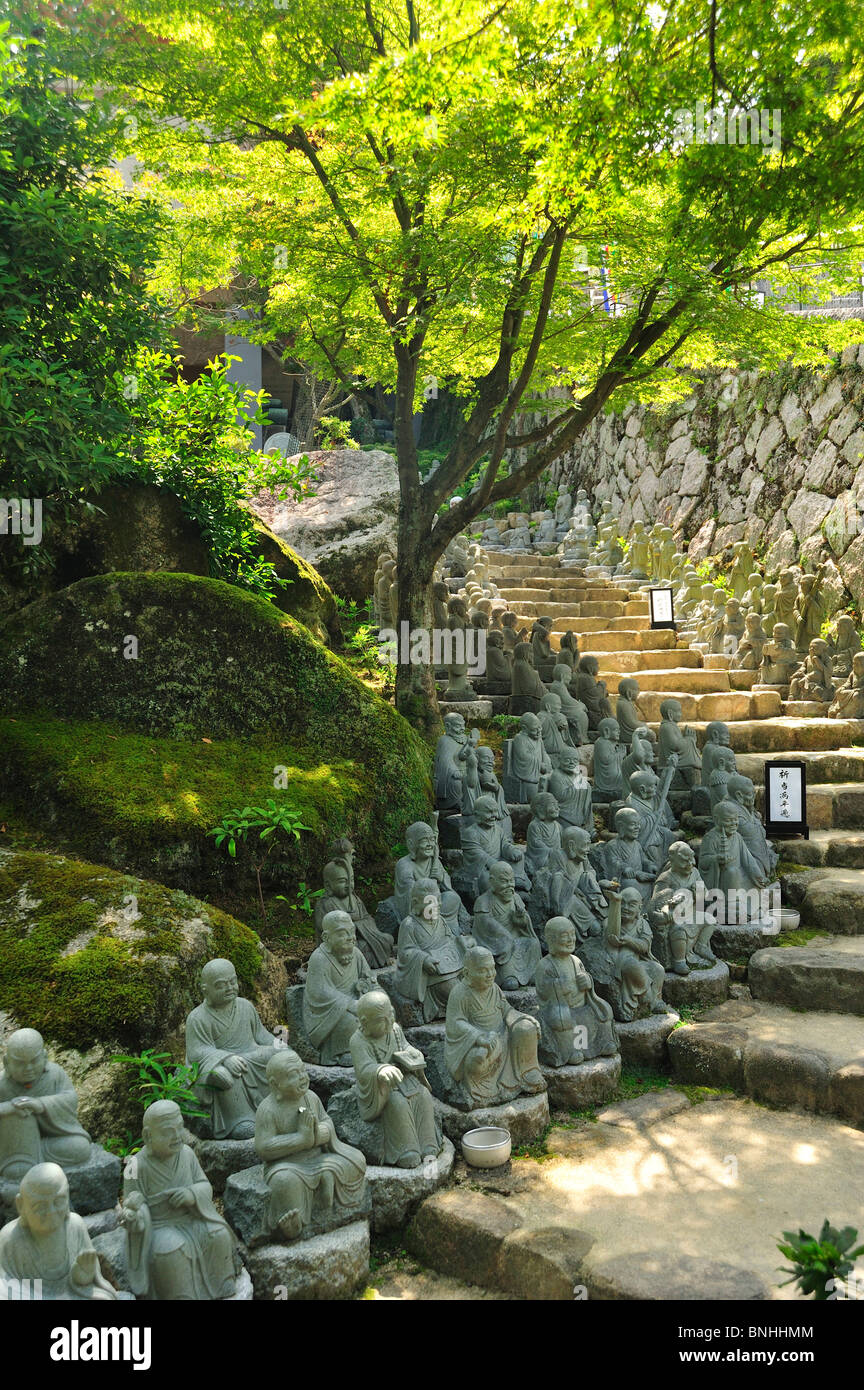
(803, 978)
(330, 1266)
(350, 520)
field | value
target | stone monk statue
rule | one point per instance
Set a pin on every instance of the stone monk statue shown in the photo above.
(305, 1165)
(502, 925)
(392, 1088)
(490, 1047)
(38, 1110)
(49, 1242)
(339, 896)
(336, 976)
(229, 1044)
(430, 953)
(576, 1025)
(179, 1246)
(526, 763)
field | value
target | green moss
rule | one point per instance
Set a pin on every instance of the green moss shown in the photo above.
(802, 937)
(88, 955)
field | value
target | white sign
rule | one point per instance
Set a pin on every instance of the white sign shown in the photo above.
(661, 605)
(785, 799)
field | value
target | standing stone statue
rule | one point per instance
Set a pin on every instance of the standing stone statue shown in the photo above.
(490, 1047)
(785, 599)
(392, 1090)
(849, 700)
(527, 689)
(38, 1110)
(430, 953)
(563, 510)
(575, 1024)
(526, 764)
(228, 1043)
(681, 742)
(49, 1243)
(179, 1247)
(543, 835)
(627, 710)
(638, 552)
(336, 977)
(377, 946)
(453, 753)
(608, 757)
(502, 925)
(306, 1167)
(811, 610)
(727, 866)
(750, 828)
(569, 785)
(682, 927)
(742, 568)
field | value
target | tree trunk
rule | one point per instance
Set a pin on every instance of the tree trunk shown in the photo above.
(416, 697)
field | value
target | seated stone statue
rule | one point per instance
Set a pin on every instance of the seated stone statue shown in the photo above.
(526, 765)
(741, 790)
(682, 742)
(336, 977)
(377, 946)
(815, 680)
(647, 797)
(622, 961)
(484, 843)
(179, 1246)
(623, 859)
(718, 782)
(748, 655)
(541, 648)
(642, 753)
(627, 711)
(575, 1025)
(569, 652)
(498, 676)
(681, 924)
(513, 635)
(501, 924)
(711, 631)
(568, 887)
(849, 699)
(49, 1243)
(728, 867)
(453, 753)
(421, 861)
(733, 626)
(717, 737)
(392, 1090)
(608, 757)
(554, 727)
(527, 689)
(430, 953)
(780, 660)
(228, 1043)
(306, 1167)
(569, 785)
(846, 643)
(573, 710)
(38, 1110)
(592, 692)
(543, 834)
(486, 783)
(490, 1047)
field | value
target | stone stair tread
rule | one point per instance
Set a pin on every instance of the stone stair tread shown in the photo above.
(843, 848)
(839, 1037)
(791, 738)
(824, 975)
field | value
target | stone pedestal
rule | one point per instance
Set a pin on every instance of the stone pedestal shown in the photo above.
(397, 1192)
(591, 1083)
(643, 1042)
(247, 1199)
(330, 1266)
(93, 1186)
(700, 988)
(525, 1118)
(221, 1157)
(745, 939)
(469, 709)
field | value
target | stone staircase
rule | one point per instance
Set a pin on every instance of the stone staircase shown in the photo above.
(795, 1037)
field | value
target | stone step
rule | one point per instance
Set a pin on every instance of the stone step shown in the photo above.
(564, 622)
(780, 1056)
(540, 594)
(843, 849)
(830, 805)
(829, 899)
(563, 585)
(610, 611)
(598, 643)
(766, 732)
(843, 767)
(636, 661)
(828, 976)
(731, 706)
(682, 680)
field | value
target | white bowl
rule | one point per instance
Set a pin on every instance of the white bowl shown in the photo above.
(488, 1147)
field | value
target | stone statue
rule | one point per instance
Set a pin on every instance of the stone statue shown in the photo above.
(780, 660)
(569, 785)
(642, 753)
(490, 1047)
(306, 1167)
(846, 643)
(647, 797)
(541, 648)
(608, 757)
(336, 976)
(637, 554)
(563, 509)
(430, 953)
(623, 859)
(741, 790)
(724, 768)
(769, 598)
(392, 1090)
(512, 635)
(339, 896)
(487, 784)
(485, 843)
(38, 1110)
(785, 600)
(440, 595)
(498, 677)
(754, 598)
(592, 692)
(179, 1246)
(742, 569)
(682, 927)
(543, 834)
(526, 765)
(569, 651)
(575, 1025)
(727, 866)
(849, 699)
(815, 680)
(573, 710)
(711, 631)
(228, 1043)
(554, 728)
(502, 925)
(382, 592)
(421, 861)
(680, 742)
(527, 689)
(717, 736)
(733, 626)
(49, 1243)
(453, 753)
(622, 960)
(811, 610)
(627, 711)
(567, 886)
(748, 655)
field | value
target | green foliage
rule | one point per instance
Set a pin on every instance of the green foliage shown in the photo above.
(304, 900)
(156, 1081)
(819, 1265)
(123, 1148)
(333, 433)
(273, 819)
(506, 724)
(708, 573)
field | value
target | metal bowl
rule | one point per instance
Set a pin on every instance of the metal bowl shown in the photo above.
(488, 1147)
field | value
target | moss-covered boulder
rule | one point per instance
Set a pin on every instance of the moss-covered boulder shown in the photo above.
(102, 962)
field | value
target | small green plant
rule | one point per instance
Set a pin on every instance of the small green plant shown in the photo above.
(333, 433)
(157, 1082)
(506, 724)
(820, 1265)
(267, 821)
(304, 900)
(123, 1148)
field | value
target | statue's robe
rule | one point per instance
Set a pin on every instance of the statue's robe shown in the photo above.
(505, 929)
(510, 1067)
(568, 889)
(196, 1240)
(449, 769)
(629, 719)
(555, 733)
(672, 739)
(346, 1164)
(529, 761)
(405, 1112)
(592, 694)
(481, 848)
(526, 690)
(573, 710)
(377, 946)
(608, 777)
(54, 1136)
(421, 941)
(211, 1036)
(572, 791)
(490, 787)
(654, 835)
(23, 1258)
(752, 832)
(742, 871)
(331, 989)
(622, 860)
(541, 838)
(633, 966)
(568, 1001)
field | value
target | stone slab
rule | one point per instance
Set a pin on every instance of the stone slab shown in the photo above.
(397, 1192)
(827, 978)
(834, 901)
(334, 1265)
(643, 1042)
(247, 1199)
(577, 1088)
(646, 1109)
(744, 940)
(699, 988)
(660, 1277)
(526, 1118)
